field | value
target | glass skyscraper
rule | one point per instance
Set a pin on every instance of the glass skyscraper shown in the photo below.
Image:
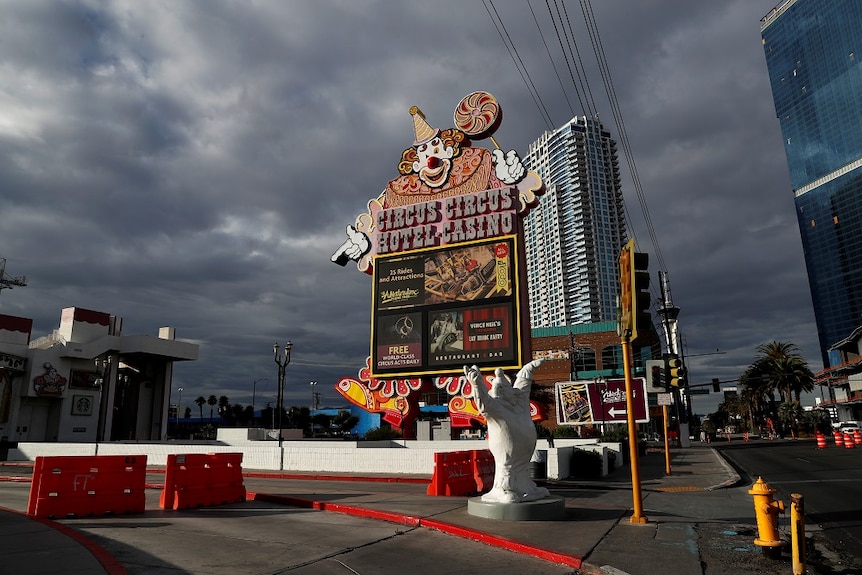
(813, 53)
(575, 234)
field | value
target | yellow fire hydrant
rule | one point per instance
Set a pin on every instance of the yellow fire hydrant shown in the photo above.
(766, 510)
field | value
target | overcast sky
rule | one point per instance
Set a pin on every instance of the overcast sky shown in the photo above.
(194, 164)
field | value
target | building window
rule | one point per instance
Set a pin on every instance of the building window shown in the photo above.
(585, 359)
(611, 357)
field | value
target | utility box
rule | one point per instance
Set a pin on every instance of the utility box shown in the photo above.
(423, 430)
(442, 430)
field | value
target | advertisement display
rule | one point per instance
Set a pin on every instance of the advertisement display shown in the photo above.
(438, 309)
(82, 379)
(603, 401)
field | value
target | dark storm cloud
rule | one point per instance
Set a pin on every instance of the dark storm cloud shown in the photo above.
(194, 164)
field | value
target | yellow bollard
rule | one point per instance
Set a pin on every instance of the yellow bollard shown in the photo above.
(797, 530)
(766, 509)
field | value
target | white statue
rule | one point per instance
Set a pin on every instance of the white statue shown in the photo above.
(511, 433)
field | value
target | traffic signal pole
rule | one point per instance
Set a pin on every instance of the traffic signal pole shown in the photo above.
(637, 499)
(666, 441)
(633, 314)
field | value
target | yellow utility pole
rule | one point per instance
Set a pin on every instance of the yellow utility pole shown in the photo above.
(666, 441)
(638, 515)
(633, 314)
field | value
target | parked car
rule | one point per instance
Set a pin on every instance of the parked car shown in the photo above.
(847, 426)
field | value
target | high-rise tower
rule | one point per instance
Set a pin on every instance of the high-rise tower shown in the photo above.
(574, 237)
(813, 53)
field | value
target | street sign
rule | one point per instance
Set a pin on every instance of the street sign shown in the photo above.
(608, 400)
(698, 391)
(665, 398)
(590, 402)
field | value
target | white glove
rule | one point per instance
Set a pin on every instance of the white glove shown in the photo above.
(354, 247)
(508, 168)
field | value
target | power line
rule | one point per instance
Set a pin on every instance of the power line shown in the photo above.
(583, 79)
(553, 63)
(516, 59)
(610, 91)
(580, 83)
(7, 282)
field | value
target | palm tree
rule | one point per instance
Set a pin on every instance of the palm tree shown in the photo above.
(212, 401)
(754, 406)
(201, 401)
(778, 367)
(789, 414)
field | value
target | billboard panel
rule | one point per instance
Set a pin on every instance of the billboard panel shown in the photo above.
(440, 308)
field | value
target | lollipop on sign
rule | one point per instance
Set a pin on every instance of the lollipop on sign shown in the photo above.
(478, 115)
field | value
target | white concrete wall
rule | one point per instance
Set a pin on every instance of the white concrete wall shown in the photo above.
(559, 460)
(399, 457)
(303, 456)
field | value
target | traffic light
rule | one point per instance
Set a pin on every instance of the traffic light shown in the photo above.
(626, 303)
(655, 376)
(634, 292)
(674, 371)
(716, 387)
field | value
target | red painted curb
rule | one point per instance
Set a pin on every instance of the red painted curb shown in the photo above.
(494, 540)
(111, 565)
(389, 516)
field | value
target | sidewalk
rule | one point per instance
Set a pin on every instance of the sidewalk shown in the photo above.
(595, 537)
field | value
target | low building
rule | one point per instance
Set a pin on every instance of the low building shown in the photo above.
(85, 381)
(844, 380)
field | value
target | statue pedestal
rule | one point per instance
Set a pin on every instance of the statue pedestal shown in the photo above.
(547, 509)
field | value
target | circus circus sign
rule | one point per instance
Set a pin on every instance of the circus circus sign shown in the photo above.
(444, 244)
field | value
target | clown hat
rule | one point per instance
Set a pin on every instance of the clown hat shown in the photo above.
(423, 131)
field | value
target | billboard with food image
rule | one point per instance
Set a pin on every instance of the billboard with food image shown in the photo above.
(436, 310)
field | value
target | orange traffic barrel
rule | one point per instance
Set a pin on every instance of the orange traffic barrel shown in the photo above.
(839, 438)
(848, 440)
(857, 437)
(821, 441)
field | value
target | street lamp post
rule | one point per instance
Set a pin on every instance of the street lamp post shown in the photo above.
(103, 365)
(311, 411)
(254, 394)
(179, 408)
(282, 361)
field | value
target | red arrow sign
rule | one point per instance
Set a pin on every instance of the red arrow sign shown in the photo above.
(608, 400)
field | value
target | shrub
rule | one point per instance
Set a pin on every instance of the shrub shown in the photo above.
(381, 433)
(565, 431)
(585, 464)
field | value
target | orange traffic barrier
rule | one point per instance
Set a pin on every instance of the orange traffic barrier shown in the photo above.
(202, 480)
(483, 470)
(453, 474)
(70, 485)
(857, 437)
(821, 440)
(848, 440)
(839, 438)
